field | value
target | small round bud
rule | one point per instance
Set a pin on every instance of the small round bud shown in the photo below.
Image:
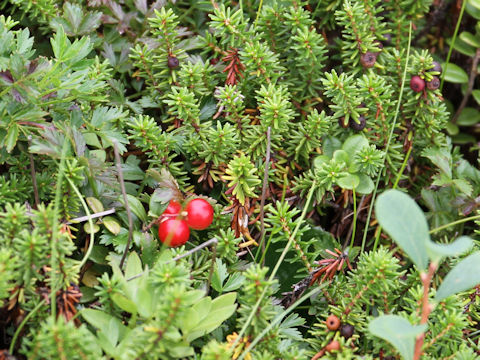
(347, 331)
(436, 67)
(360, 125)
(341, 122)
(172, 62)
(368, 59)
(388, 38)
(333, 322)
(433, 84)
(333, 346)
(417, 84)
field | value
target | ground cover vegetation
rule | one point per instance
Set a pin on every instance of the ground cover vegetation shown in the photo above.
(239, 179)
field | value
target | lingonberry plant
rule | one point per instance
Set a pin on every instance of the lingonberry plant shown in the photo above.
(199, 180)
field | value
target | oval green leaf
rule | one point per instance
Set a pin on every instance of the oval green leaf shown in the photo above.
(405, 222)
(455, 74)
(398, 332)
(438, 251)
(468, 117)
(465, 275)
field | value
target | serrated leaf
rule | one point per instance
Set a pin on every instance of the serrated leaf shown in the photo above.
(398, 332)
(465, 275)
(405, 222)
(219, 276)
(234, 282)
(12, 137)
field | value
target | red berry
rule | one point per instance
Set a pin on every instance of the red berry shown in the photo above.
(333, 322)
(173, 232)
(417, 84)
(433, 84)
(199, 214)
(173, 208)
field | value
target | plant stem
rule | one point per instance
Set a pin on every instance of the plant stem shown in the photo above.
(453, 42)
(22, 324)
(453, 223)
(397, 111)
(354, 217)
(277, 265)
(33, 174)
(471, 82)
(264, 194)
(53, 244)
(426, 307)
(90, 222)
(402, 168)
(280, 317)
(125, 200)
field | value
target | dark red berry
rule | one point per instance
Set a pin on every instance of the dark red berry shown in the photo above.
(360, 125)
(341, 122)
(214, 61)
(347, 331)
(332, 322)
(333, 346)
(436, 67)
(388, 38)
(433, 84)
(173, 62)
(368, 59)
(417, 84)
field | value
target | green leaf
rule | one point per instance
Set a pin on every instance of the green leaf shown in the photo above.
(405, 222)
(354, 144)
(88, 229)
(95, 204)
(124, 303)
(476, 96)
(455, 74)
(134, 265)
(221, 309)
(234, 282)
(452, 129)
(366, 184)
(135, 206)
(219, 275)
(470, 39)
(320, 160)
(465, 275)
(438, 251)
(398, 332)
(103, 321)
(12, 137)
(330, 144)
(349, 182)
(468, 117)
(112, 225)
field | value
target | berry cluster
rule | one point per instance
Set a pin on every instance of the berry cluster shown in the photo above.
(174, 229)
(417, 84)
